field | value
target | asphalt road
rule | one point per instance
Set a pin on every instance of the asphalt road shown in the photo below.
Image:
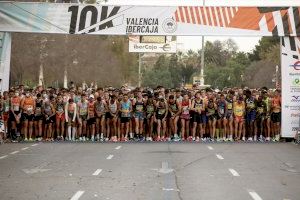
(154, 171)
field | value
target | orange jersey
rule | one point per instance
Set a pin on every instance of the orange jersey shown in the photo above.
(15, 103)
(28, 104)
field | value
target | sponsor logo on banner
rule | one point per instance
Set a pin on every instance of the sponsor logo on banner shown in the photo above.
(169, 25)
(296, 82)
(297, 115)
(296, 65)
(141, 25)
(167, 45)
(295, 99)
(144, 47)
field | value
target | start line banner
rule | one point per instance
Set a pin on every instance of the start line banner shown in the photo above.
(290, 72)
(149, 20)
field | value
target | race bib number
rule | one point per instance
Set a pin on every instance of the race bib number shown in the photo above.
(161, 111)
(6, 108)
(260, 110)
(139, 108)
(150, 109)
(16, 108)
(185, 110)
(38, 111)
(229, 106)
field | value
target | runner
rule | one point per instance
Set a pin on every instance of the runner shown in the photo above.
(82, 115)
(49, 113)
(38, 117)
(100, 110)
(276, 114)
(198, 107)
(5, 113)
(185, 117)
(221, 119)
(261, 110)
(211, 113)
(15, 115)
(228, 122)
(28, 108)
(60, 117)
(125, 109)
(139, 108)
(267, 120)
(112, 118)
(250, 116)
(239, 113)
(160, 118)
(150, 110)
(91, 119)
(70, 116)
(173, 116)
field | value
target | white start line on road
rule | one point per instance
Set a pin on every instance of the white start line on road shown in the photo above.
(254, 195)
(118, 147)
(77, 195)
(34, 145)
(219, 157)
(233, 172)
(3, 157)
(210, 148)
(14, 152)
(25, 148)
(97, 172)
(110, 157)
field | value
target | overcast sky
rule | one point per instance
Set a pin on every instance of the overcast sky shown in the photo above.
(245, 44)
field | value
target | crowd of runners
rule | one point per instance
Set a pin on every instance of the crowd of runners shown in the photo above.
(140, 114)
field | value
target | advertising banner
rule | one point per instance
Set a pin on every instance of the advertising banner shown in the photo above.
(290, 72)
(149, 20)
(149, 45)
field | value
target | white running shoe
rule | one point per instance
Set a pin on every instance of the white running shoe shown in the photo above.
(244, 139)
(250, 139)
(80, 139)
(255, 138)
(93, 139)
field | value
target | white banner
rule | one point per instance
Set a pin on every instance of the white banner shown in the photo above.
(136, 45)
(290, 70)
(149, 20)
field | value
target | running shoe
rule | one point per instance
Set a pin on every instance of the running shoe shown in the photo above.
(255, 138)
(80, 139)
(158, 139)
(197, 139)
(25, 140)
(244, 139)
(250, 139)
(30, 140)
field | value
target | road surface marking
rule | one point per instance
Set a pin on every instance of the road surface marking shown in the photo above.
(110, 157)
(97, 172)
(210, 148)
(170, 189)
(3, 156)
(14, 152)
(77, 195)
(219, 156)
(118, 147)
(34, 145)
(234, 173)
(254, 195)
(25, 148)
